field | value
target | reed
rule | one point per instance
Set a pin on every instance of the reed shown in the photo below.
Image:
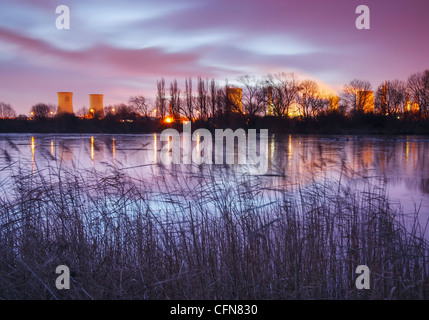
(209, 235)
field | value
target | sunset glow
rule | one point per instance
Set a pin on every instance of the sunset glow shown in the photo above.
(123, 47)
(214, 150)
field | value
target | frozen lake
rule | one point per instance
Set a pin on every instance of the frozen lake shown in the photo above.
(397, 163)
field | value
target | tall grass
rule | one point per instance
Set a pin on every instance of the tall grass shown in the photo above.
(201, 237)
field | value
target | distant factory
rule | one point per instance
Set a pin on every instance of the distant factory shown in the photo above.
(65, 104)
(365, 101)
(235, 99)
(96, 105)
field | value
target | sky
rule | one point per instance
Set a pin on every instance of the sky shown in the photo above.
(121, 48)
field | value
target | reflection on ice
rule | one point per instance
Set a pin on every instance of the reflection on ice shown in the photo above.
(293, 160)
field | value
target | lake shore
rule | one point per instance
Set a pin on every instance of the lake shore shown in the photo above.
(328, 124)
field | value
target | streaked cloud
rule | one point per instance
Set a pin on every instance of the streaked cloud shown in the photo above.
(122, 47)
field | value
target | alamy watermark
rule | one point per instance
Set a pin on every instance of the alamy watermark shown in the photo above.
(363, 281)
(362, 22)
(63, 20)
(63, 280)
(249, 150)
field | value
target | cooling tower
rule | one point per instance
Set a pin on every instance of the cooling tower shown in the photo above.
(65, 102)
(96, 105)
(365, 101)
(234, 96)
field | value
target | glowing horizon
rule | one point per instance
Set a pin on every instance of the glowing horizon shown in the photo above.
(120, 48)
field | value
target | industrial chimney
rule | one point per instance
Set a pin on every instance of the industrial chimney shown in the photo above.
(65, 102)
(96, 105)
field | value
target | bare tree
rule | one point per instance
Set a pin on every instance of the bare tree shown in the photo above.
(140, 105)
(161, 100)
(187, 107)
(202, 98)
(221, 101)
(121, 111)
(253, 98)
(350, 92)
(84, 111)
(213, 95)
(175, 101)
(390, 97)
(22, 117)
(285, 88)
(418, 84)
(312, 100)
(110, 110)
(6, 111)
(42, 111)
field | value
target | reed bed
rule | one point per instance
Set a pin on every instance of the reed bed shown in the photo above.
(205, 235)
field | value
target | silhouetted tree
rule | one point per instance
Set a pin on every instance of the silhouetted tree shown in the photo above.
(110, 111)
(161, 100)
(42, 111)
(84, 111)
(202, 98)
(221, 101)
(213, 95)
(22, 117)
(390, 97)
(187, 107)
(6, 111)
(285, 88)
(140, 105)
(350, 91)
(418, 84)
(311, 100)
(123, 111)
(175, 101)
(253, 98)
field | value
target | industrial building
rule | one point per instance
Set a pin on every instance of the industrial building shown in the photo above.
(65, 103)
(234, 98)
(365, 101)
(96, 105)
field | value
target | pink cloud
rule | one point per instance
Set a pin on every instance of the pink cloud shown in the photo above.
(106, 59)
(39, 70)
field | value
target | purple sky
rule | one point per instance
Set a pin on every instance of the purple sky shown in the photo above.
(120, 48)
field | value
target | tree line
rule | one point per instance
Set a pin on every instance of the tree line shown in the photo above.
(280, 95)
